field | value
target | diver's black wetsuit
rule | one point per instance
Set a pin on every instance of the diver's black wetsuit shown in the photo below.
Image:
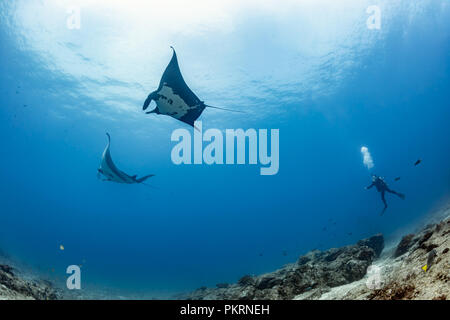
(382, 187)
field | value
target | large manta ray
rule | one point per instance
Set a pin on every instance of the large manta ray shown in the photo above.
(174, 98)
(110, 172)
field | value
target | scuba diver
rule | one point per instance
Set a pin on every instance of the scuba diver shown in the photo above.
(382, 187)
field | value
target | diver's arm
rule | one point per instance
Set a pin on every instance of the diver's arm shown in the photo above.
(368, 187)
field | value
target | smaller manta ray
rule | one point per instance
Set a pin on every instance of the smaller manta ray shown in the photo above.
(174, 98)
(110, 172)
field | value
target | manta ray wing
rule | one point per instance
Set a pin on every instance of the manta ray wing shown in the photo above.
(109, 169)
(173, 79)
(173, 96)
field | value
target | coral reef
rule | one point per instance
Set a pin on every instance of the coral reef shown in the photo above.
(14, 287)
(314, 272)
(416, 268)
(402, 273)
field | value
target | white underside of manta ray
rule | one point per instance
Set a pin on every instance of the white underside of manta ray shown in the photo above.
(174, 98)
(109, 172)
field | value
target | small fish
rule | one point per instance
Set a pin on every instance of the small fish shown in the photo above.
(349, 234)
(431, 255)
(61, 247)
(285, 253)
(397, 178)
(430, 259)
(417, 162)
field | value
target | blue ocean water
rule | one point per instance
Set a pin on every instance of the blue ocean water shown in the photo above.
(313, 70)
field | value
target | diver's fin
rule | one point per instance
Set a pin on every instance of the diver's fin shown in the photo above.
(425, 267)
(140, 180)
(225, 109)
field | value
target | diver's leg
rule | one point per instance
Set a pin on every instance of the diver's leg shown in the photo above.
(384, 201)
(401, 195)
(383, 198)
